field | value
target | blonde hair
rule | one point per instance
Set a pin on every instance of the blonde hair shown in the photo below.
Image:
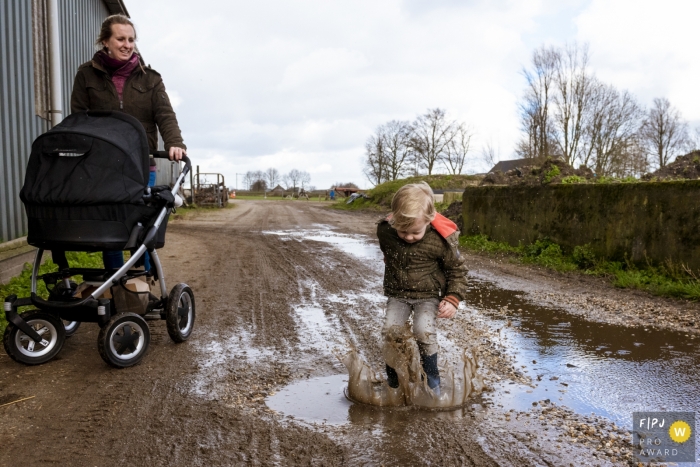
(411, 202)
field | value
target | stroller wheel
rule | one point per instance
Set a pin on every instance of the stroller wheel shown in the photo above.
(124, 340)
(21, 348)
(179, 314)
(71, 327)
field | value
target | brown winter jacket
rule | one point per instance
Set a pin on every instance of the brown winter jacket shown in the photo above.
(144, 97)
(429, 268)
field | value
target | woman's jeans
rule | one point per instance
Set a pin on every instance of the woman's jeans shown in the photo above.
(114, 259)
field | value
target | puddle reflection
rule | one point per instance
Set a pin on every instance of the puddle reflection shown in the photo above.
(607, 369)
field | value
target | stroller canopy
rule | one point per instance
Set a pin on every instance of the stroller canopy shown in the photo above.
(92, 158)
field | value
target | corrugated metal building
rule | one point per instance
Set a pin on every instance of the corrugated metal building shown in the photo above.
(25, 104)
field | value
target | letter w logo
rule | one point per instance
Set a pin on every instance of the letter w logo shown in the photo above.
(680, 432)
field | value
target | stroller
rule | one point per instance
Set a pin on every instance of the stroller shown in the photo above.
(86, 190)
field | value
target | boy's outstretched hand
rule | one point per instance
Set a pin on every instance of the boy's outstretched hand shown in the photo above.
(446, 310)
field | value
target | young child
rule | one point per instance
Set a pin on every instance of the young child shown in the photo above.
(424, 273)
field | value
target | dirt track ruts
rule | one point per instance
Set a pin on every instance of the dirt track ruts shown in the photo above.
(176, 409)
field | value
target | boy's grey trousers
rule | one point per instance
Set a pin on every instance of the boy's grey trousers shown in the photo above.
(425, 311)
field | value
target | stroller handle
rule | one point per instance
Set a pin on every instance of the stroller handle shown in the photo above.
(165, 155)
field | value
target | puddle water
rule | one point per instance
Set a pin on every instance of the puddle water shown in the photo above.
(322, 400)
(314, 400)
(606, 369)
(359, 246)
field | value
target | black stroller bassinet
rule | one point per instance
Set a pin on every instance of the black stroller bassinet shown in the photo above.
(86, 189)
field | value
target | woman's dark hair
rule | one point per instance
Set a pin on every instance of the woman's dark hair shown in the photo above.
(106, 29)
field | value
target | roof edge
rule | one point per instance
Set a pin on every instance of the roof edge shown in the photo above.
(116, 6)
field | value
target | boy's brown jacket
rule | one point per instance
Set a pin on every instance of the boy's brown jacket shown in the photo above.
(429, 268)
(144, 97)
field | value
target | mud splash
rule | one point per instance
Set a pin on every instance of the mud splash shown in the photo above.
(400, 351)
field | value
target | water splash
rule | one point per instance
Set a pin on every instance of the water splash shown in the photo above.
(400, 352)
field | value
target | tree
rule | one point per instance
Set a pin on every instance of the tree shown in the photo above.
(259, 185)
(304, 179)
(458, 149)
(535, 118)
(273, 177)
(293, 177)
(431, 135)
(375, 158)
(664, 133)
(489, 155)
(572, 100)
(396, 137)
(693, 140)
(248, 179)
(612, 130)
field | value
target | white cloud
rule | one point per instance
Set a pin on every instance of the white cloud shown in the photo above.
(302, 84)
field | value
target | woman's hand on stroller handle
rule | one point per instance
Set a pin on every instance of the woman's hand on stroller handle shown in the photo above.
(166, 155)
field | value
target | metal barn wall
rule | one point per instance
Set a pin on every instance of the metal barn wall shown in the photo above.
(79, 23)
(18, 123)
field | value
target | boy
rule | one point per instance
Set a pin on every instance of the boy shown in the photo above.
(424, 272)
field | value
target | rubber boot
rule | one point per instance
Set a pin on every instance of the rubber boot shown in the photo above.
(430, 367)
(392, 378)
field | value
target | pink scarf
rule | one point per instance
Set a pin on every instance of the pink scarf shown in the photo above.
(118, 69)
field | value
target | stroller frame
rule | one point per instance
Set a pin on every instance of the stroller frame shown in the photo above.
(124, 337)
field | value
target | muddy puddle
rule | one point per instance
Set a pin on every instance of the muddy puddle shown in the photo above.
(609, 370)
(590, 367)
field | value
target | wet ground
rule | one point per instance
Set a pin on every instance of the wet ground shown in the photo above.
(283, 289)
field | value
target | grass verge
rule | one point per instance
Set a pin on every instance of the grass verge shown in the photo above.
(666, 280)
(380, 196)
(21, 285)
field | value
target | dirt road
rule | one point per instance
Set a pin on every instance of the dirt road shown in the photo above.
(281, 288)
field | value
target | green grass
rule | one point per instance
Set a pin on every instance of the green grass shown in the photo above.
(21, 285)
(380, 195)
(667, 280)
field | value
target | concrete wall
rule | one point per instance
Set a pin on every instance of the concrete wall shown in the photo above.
(658, 221)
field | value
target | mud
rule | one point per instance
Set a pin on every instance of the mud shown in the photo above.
(282, 288)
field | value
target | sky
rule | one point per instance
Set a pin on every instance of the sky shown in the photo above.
(302, 84)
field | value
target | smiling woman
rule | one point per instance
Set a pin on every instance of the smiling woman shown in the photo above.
(116, 79)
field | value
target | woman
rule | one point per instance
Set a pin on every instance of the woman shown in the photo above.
(117, 79)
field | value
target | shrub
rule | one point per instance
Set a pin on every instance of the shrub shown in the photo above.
(583, 256)
(572, 179)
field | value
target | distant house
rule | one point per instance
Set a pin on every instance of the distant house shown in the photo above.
(505, 166)
(277, 191)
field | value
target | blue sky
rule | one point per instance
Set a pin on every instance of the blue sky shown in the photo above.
(302, 84)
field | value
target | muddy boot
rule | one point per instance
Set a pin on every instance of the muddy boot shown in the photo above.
(430, 367)
(392, 378)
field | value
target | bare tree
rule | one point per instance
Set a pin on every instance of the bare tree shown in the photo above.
(375, 158)
(286, 181)
(432, 134)
(294, 177)
(489, 155)
(693, 140)
(248, 179)
(664, 133)
(535, 118)
(273, 177)
(396, 136)
(612, 130)
(457, 150)
(304, 179)
(574, 88)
